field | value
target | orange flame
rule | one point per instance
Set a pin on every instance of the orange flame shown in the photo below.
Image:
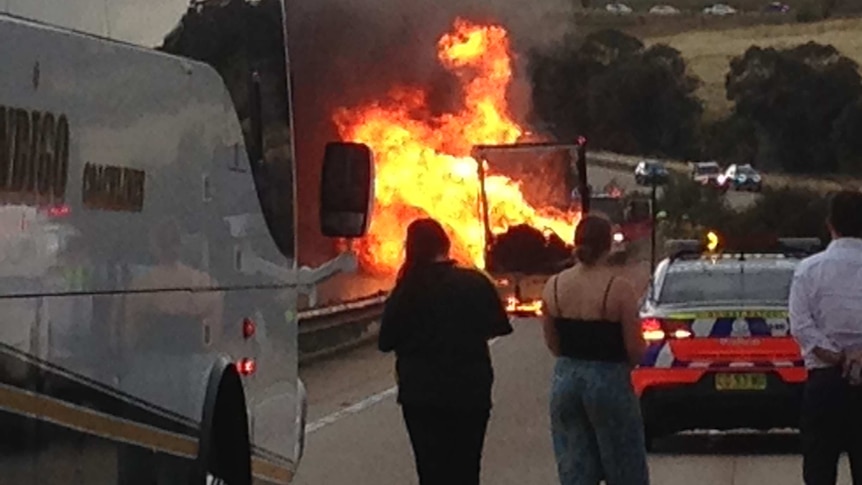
(422, 162)
(530, 307)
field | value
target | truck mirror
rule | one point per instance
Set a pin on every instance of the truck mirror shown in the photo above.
(346, 190)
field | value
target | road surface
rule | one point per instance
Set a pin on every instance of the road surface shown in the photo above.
(600, 176)
(357, 436)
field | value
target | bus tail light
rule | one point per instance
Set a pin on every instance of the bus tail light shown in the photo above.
(246, 367)
(248, 328)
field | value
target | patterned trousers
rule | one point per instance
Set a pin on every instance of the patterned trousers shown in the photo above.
(596, 424)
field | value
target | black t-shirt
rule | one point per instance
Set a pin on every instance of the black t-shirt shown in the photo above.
(438, 321)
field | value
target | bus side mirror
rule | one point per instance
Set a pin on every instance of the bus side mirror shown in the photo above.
(346, 190)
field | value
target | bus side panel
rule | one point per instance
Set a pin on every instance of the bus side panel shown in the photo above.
(141, 265)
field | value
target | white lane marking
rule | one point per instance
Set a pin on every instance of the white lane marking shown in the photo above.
(352, 409)
(357, 407)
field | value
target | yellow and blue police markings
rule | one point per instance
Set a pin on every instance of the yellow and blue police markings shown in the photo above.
(720, 324)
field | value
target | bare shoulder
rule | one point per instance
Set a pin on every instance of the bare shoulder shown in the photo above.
(554, 280)
(622, 286)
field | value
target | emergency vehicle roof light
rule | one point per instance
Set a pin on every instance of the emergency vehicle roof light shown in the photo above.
(807, 245)
(713, 243)
(679, 248)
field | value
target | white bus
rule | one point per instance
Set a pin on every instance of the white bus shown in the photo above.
(148, 279)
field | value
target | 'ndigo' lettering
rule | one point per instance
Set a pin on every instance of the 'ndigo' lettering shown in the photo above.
(34, 155)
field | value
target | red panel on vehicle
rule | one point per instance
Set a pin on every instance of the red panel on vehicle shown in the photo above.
(746, 349)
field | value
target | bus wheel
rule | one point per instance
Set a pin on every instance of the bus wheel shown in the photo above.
(224, 449)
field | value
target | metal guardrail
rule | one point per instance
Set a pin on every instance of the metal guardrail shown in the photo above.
(349, 307)
(331, 329)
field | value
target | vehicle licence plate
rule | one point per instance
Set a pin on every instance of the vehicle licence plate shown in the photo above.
(740, 382)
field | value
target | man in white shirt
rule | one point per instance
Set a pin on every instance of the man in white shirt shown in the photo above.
(826, 320)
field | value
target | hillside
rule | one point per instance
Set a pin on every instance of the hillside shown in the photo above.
(709, 52)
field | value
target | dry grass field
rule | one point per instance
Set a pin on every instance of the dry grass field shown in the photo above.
(709, 52)
(707, 42)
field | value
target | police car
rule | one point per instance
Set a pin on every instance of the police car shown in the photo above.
(720, 355)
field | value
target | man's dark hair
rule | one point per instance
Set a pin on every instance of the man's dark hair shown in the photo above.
(845, 213)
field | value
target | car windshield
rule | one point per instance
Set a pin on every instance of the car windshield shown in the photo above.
(707, 169)
(747, 170)
(726, 285)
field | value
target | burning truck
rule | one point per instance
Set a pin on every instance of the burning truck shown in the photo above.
(522, 257)
(507, 205)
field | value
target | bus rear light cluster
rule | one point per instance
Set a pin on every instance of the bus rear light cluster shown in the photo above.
(246, 367)
(248, 328)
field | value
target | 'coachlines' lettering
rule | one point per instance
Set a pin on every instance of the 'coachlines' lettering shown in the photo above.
(113, 188)
(34, 154)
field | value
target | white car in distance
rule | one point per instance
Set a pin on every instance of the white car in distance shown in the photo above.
(618, 8)
(664, 10)
(719, 9)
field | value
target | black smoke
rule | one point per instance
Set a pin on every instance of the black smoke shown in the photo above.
(347, 52)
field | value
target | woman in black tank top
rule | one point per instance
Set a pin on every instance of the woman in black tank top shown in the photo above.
(596, 425)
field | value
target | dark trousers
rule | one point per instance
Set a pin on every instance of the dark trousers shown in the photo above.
(831, 424)
(447, 443)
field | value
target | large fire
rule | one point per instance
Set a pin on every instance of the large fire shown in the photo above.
(422, 162)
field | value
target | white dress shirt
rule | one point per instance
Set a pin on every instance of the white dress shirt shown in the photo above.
(826, 300)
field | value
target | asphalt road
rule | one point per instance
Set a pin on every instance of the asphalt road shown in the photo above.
(356, 435)
(600, 176)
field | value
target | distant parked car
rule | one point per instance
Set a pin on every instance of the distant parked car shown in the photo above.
(706, 173)
(741, 177)
(719, 9)
(618, 8)
(664, 10)
(648, 172)
(777, 7)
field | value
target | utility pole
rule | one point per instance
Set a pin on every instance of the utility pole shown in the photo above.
(583, 186)
(652, 227)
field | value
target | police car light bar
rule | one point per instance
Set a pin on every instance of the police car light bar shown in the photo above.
(807, 245)
(795, 246)
(678, 248)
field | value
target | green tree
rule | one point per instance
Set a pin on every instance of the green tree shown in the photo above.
(625, 97)
(732, 139)
(783, 212)
(847, 139)
(793, 96)
(688, 204)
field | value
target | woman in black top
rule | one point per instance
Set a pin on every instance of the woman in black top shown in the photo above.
(438, 320)
(591, 325)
